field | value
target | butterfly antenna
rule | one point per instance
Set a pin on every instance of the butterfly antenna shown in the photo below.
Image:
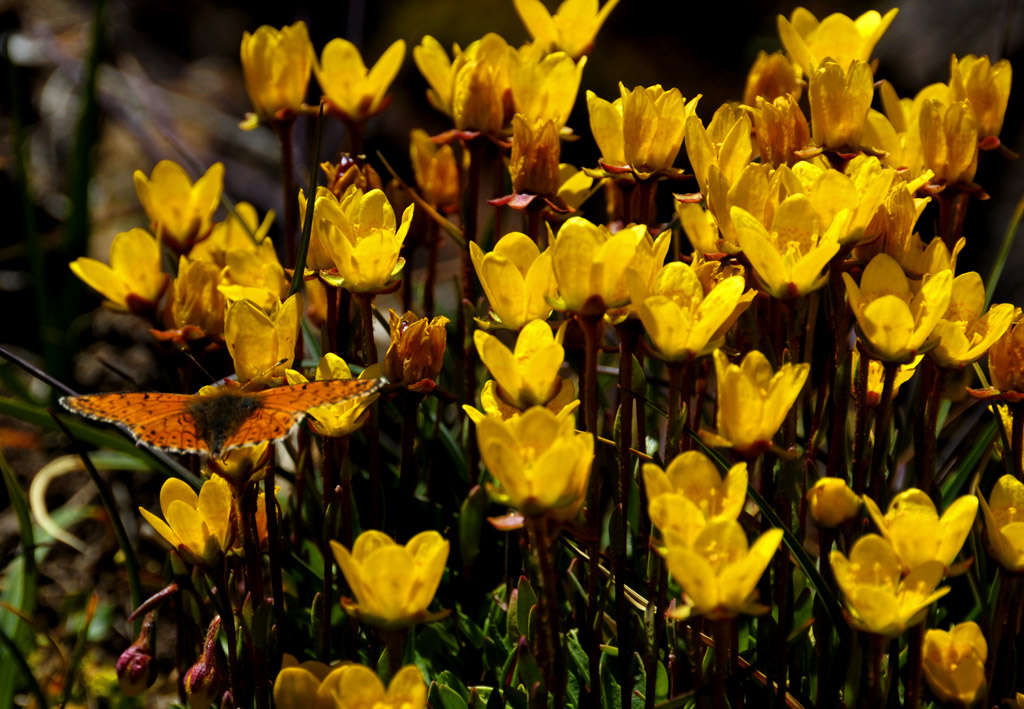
(265, 374)
(184, 351)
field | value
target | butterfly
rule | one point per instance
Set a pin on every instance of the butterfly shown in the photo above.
(216, 422)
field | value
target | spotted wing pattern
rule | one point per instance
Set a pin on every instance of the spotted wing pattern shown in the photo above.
(157, 419)
(282, 408)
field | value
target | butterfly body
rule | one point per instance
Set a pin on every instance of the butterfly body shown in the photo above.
(217, 422)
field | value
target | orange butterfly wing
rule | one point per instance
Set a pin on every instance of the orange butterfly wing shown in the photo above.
(283, 407)
(156, 419)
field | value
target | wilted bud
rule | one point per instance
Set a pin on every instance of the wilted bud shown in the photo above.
(203, 680)
(535, 153)
(832, 502)
(135, 669)
(781, 130)
(416, 351)
(350, 171)
(1006, 358)
(772, 76)
(436, 169)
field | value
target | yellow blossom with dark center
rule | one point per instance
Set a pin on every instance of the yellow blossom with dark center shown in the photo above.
(180, 212)
(897, 324)
(840, 99)
(417, 347)
(199, 526)
(571, 29)
(986, 86)
(719, 573)
(393, 584)
(353, 91)
(954, 662)
(534, 162)
(134, 280)
(276, 64)
(878, 598)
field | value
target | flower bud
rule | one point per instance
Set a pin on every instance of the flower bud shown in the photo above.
(772, 76)
(832, 502)
(416, 350)
(535, 152)
(203, 680)
(350, 171)
(135, 669)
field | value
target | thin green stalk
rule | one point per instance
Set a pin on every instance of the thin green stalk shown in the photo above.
(879, 453)
(544, 536)
(227, 617)
(307, 223)
(1004, 252)
(590, 325)
(628, 338)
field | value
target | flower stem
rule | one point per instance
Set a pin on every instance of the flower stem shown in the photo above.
(933, 388)
(860, 426)
(228, 623)
(915, 658)
(629, 335)
(329, 465)
(366, 327)
(952, 212)
(543, 536)
(409, 470)
(723, 652)
(881, 445)
(467, 351)
(251, 543)
(273, 539)
(1017, 438)
(876, 652)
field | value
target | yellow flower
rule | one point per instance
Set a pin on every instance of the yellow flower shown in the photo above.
(197, 303)
(529, 376)
(781, 129)
(355, 93)
(262, 345)
(590, 265)
(840, 99)
(362, 239)
(254, 274)
(643, 270)
(719, 574)
(643, 129)
(832, 502)
(772, 76)
(897, 132)
(878, 598)
(954, 662)
(965, 332)
(986, 86)
(572, 28)
(180, 212)
(393, 584)
(726, 142)
(358, 687)
(134, 280)
(788, 259)
(682, 321)
(539, 461)
(690, 494)
(472, 86)
(517, 279)
(534, 162)
(713, 231)
(1006, 357)
(1004, 523)
(416, 351)
(544, 87)
(876, 377)
(896, 324)
(198, 526)
(338, 419)
(837, 36)
(563, 403)
(239, 465)
(436, 170)
(310, 685)
(917, 534)
(276, 64)
(949, 140)
(244, 232)
(753, 401)
(848, 203)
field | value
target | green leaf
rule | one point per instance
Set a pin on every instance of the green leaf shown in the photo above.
(16, 634)
(447, 698)
(307, 224)
(471, 520)
(526, 601)
(956, 482)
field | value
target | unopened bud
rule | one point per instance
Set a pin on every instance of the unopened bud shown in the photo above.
(203, 680)
(136, 671)
(832, 502)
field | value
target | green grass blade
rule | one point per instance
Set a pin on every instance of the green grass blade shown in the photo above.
(307, 223)
(1004, 251)
(19, 663)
